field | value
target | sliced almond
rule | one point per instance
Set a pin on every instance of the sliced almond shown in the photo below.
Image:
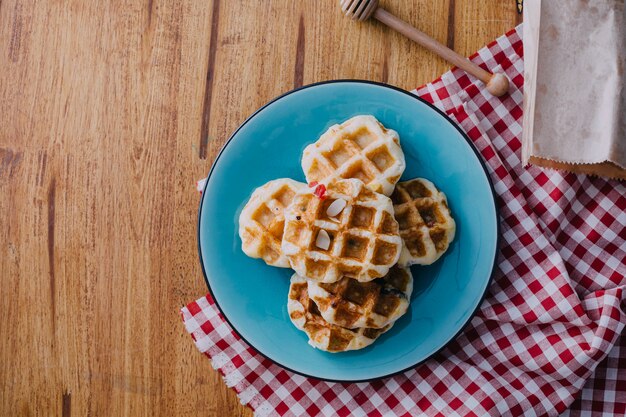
(323, 240)
(200, 184)
(336, 207)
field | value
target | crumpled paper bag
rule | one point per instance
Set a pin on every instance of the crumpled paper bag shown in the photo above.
(574, 98)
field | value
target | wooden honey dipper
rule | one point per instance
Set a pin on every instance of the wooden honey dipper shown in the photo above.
(497, 84)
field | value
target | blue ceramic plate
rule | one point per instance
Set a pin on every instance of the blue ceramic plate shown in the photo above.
(253, 296)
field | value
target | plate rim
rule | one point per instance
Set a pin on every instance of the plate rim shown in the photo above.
(485, 171)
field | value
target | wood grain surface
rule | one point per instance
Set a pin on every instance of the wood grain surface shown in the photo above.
(109, 112)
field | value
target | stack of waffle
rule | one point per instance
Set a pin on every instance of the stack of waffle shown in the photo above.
(350, 235)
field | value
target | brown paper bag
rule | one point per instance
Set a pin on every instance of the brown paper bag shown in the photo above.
(574, 98)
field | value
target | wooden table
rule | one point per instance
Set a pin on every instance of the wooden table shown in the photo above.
(109, 113)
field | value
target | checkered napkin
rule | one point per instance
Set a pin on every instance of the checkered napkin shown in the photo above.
(547, 336)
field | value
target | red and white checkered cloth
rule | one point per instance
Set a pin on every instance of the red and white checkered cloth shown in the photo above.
(546, 338)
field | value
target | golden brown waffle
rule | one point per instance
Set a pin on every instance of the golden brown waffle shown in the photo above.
(426, 226)
(359, 148)
(352, 304)
(261, 223)
(323, 335)
(364, 237)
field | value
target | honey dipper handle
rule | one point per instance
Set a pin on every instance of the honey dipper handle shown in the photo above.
(497, 84)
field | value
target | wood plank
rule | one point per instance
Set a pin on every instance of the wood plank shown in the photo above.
(110, 111)
(478, 22)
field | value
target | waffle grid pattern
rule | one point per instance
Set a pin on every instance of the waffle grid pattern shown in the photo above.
(306, 316)
(364, 238)
(358, 148)
(352, 304)
(426, 226)
(261, 223)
